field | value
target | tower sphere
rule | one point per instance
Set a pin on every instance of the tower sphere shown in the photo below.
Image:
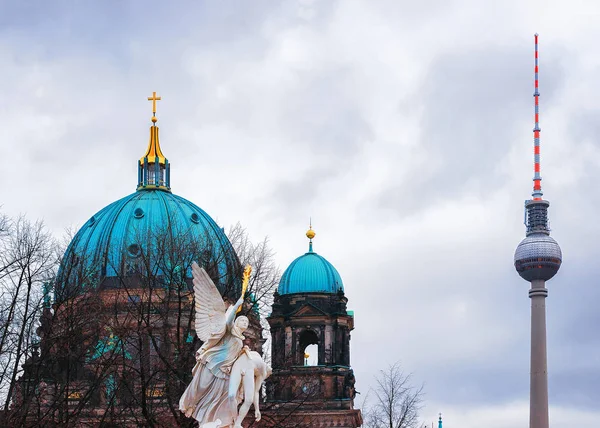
(538, 257)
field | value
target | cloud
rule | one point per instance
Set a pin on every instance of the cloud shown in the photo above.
(402, 128)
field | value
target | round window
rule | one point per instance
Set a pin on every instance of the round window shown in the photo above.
(195, 218)
(134, 250)
(138, 213)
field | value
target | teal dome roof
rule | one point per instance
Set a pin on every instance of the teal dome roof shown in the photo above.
(144, 224)
(151, 233)
(310, 273)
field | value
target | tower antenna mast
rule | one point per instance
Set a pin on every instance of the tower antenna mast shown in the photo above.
(537, 179)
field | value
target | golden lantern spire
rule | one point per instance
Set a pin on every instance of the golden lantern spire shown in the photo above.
(154, 170)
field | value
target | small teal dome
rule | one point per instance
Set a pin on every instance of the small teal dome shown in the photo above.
(310, 273)
(111, 241)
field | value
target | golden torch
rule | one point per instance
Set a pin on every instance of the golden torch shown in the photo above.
(245, 280)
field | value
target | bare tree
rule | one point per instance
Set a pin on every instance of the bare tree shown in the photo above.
(396, 402)
(26, 263)
(265, 272)
(119, 350)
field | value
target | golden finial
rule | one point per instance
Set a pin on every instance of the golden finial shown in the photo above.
(154, 99)
(310, 234)
(245, 280)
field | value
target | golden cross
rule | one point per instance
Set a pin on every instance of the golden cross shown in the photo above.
(154, 99)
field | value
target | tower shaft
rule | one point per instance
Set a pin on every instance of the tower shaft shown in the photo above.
(538, 401)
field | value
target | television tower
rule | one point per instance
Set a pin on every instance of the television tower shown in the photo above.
(537, 259)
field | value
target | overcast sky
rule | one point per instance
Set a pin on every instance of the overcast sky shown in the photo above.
(404, 128)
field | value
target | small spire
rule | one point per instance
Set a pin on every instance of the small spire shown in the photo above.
(310, 234)
(154, 170)
(440, 421)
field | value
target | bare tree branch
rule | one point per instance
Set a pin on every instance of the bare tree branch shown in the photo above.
(116, 350)
(396, 402)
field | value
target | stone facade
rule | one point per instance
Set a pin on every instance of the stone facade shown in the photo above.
(118, 356)
(299, 395)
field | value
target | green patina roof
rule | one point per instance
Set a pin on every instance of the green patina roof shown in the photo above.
(108, 345)
(310, 273)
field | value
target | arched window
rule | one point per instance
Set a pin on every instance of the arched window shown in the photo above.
(308, 348)
(311, 355)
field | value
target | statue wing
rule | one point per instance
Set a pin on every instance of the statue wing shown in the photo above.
(210, 318)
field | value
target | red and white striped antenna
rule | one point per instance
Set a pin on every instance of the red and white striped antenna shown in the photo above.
(537, 179)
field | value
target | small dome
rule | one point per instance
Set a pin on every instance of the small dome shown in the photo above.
(538, 256)
(310, 273)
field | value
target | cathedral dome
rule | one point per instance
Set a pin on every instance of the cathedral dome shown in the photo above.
(310, 273)
(142, 232)
(118, 234)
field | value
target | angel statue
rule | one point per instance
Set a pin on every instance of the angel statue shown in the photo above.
(225, 369)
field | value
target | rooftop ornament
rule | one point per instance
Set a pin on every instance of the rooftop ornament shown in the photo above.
(154, 170)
